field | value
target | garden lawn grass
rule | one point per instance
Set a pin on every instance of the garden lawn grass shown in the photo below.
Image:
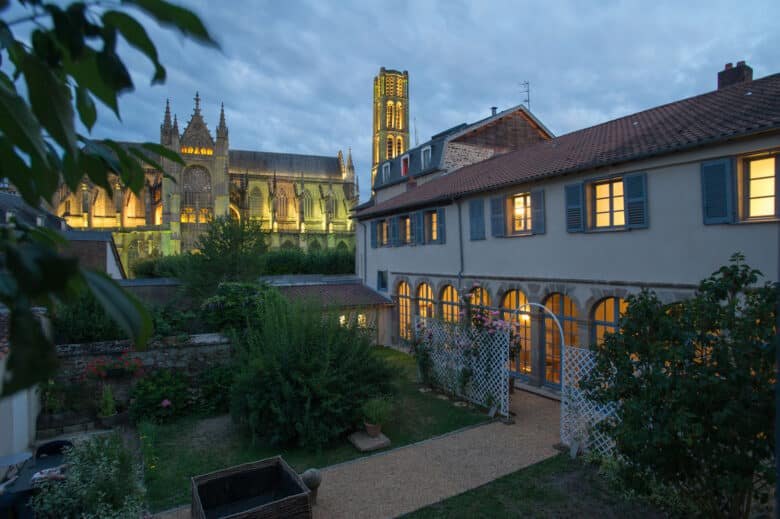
(173, 453)
(556, 487)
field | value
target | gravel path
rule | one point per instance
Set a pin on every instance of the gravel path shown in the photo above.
(405, 479)
(408, 478)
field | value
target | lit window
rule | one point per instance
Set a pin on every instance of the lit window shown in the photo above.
(608, 204)
(449, 304)
(606, 316)
(431, 226)
(389, 120)
(342, 320)
(564, 309)
(521, 213)
(399, 146)
(760, 187)
(404, 311)
(389, 148)
(426, 158)
(405, 166)
(381, 230)
(515, 304)
(480, 297)
(405, 224)
(188, 215)
(362, 321)
(425, 303)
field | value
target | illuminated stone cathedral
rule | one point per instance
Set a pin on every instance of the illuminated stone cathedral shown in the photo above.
(303, 200)
(391, 116)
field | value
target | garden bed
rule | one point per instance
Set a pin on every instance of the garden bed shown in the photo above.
(173, 453)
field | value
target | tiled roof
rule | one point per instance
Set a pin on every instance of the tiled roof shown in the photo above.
(284, 163)
(738, 110)
(336, 295)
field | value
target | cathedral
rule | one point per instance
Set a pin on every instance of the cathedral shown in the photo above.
(302, 200)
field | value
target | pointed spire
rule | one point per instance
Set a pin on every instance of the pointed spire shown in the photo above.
(349, 159)
(167, 119)
(197, 103)
(222, 130)
(175, 125)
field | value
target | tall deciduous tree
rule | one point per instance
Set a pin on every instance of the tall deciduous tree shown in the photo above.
(69, 61)
(695, 385)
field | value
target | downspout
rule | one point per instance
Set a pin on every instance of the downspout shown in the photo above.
(460, 246)
(365, 259)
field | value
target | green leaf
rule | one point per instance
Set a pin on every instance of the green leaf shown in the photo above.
(17, 171)
(113, 72)
(86, 74)
(187, 22)
(19, 124)
(131, 172)
(86, 107)
(33, 358)
(143, 157)
(165, 152)
(135, 34)
(122, 307)
(50, 101)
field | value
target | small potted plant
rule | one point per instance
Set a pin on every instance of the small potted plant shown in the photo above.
(376, 411)
(107, 409)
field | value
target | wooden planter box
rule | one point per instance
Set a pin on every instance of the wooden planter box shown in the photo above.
(258, 490)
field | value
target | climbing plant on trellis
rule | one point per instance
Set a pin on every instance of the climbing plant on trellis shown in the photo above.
(579, 414)
(469, 362)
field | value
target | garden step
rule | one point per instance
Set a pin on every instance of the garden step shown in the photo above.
(365, 443)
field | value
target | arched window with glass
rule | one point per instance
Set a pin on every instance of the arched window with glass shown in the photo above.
(390, 148)
(480, 297)
(425, 301)
(449, 304)
(404, 311)
(308, 205)
(399, 116)
(389, 116)
(517, 313)
(606, 317)
(565, 310)
(399, 146)
(281, 204)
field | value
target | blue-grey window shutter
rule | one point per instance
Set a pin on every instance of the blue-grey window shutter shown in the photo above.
(412, 229)
(441, 231)
(477, 219)
(394, 237)
(373, 234)
(574, 208)
(419, 228)
(537, 211)
(635, 190)
(497, 218)
(717, 188)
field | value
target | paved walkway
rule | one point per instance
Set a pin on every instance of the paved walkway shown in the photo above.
(405, 479)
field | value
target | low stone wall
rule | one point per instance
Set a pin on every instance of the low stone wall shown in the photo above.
(193, 355)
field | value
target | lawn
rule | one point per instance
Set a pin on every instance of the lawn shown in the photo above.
(556, 487)
(173, 453)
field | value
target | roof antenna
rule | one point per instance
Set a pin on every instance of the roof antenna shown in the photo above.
(416, 137)
(525, 88)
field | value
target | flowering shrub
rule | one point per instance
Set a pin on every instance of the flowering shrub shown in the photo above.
(105, 367)
(160, 397)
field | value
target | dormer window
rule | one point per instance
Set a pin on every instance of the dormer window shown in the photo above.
(385, 173)
(426, 158)
(404, 165)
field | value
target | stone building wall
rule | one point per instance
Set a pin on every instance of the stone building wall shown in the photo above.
(458, 155)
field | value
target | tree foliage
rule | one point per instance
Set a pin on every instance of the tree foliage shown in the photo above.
(68, 62)
(695, 386)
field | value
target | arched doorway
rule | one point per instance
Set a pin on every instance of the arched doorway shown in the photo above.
(404, 311)
(564, 309)
(517, 314)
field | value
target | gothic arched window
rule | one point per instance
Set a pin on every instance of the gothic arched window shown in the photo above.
(308, 205)
(196, 194)
(389, 116)
(389, 148)
(255, 204)
(399, 116)
(281, 204)
(399, 146)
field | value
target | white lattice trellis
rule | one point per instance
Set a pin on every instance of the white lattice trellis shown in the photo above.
(579, 415)
(469, 362)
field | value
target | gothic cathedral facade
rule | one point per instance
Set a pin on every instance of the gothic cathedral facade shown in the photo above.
(301, 200)
(391, 116)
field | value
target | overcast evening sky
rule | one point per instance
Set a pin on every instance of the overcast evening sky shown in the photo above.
(296, 76)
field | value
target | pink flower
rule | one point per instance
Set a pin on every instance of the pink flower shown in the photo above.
(165, 403)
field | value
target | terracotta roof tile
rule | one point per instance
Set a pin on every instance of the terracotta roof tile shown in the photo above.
(734, 111)
(343, 295)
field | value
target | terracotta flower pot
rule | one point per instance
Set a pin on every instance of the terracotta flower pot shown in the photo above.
(373, 429)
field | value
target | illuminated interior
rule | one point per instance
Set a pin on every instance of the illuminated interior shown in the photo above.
(761, 187)
(431, 226)
(255, 204)
(566, 312)
(449, 304)
(480, 297)
(606, 317)
(399, 116)
(389, 148)
(520, 330)
(406, 229)
(425, 303)
(390, 115)
(608, 204)
(404, 311)
(190, 150)
(521, 213)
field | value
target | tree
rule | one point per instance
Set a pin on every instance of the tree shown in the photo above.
(69, 62)
(695, 386)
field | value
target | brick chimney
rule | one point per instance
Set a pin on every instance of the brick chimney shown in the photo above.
(731, 75)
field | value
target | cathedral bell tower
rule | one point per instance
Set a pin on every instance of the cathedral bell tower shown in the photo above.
(391, 116)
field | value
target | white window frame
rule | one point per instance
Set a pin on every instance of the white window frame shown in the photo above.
(385, 173)
(408, 163)
(425, 166)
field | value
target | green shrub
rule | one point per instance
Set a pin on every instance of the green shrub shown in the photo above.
(213, 390)
(377, 410)
(102, 481)
(295, 261)
(107, 402)
(84, 320)
(235, 306)
(302, 377)
(160, 397)
(163, 266)
(171, 321)
(696, 384)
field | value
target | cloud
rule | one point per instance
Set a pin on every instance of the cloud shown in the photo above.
(297, 76)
